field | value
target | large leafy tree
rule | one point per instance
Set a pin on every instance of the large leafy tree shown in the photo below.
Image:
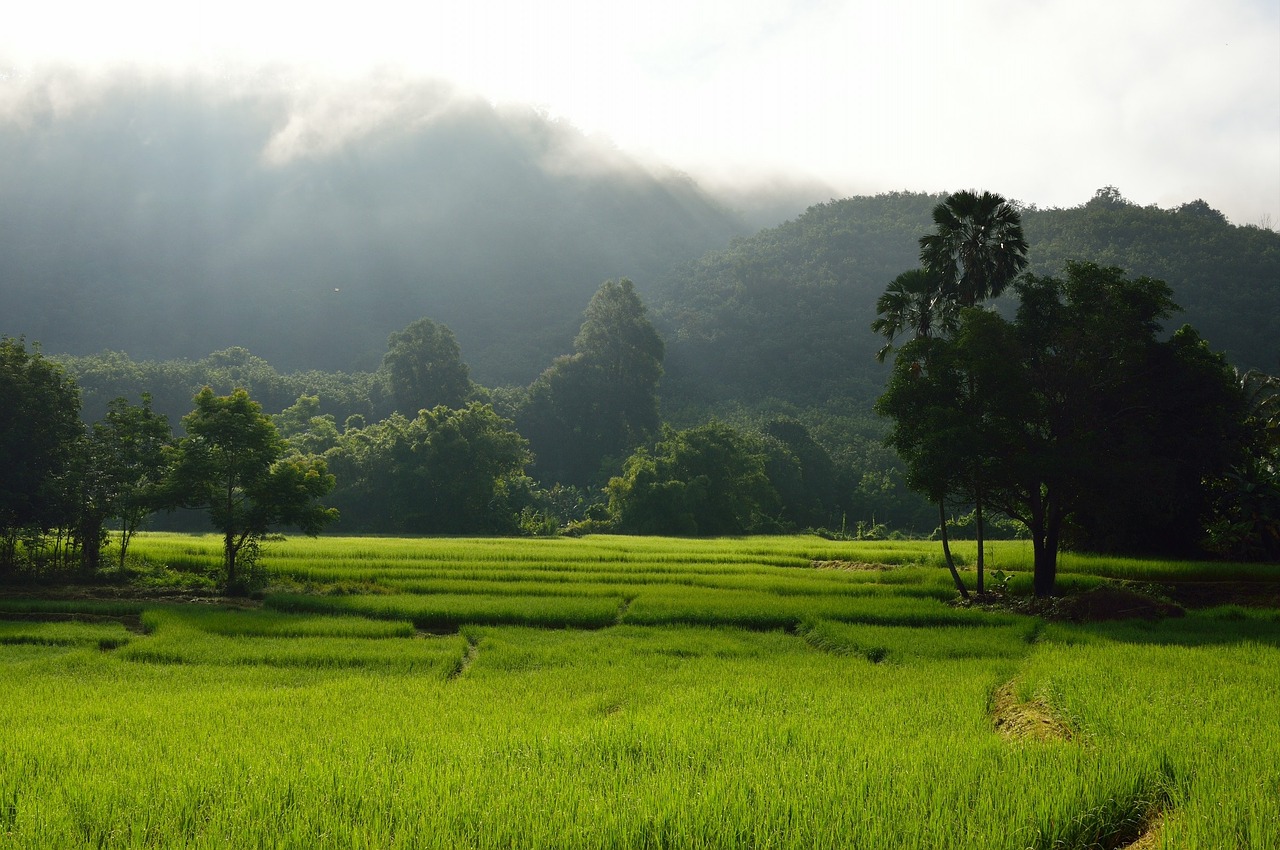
(233, 463)
(446, 471)
(39, 430)
(706, 480)
(1076, 418)
(592, 408)
(424, 368)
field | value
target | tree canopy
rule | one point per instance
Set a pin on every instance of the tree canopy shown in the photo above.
(233, 464)
(121, 466)
(39, 428)
(1076, 418)
(702, 481)
(424, 368)
(446, 471)
(591, 408)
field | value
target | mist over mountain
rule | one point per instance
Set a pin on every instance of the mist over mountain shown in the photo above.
(170, 217)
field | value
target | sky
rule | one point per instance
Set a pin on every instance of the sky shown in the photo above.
(1043, 101)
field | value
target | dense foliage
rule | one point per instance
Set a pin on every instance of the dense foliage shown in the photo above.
(234, 464)
(39, 426)
(444, 471)
(119, 473)
(586, 412)
(1074, 419)
(704, 481)
(424, 367)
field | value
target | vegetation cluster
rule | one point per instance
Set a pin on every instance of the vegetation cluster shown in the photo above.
(1065, 416)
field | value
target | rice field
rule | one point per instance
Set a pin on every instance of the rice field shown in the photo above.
(614, 692)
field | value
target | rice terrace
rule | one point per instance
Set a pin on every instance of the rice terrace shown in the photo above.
(613, 691)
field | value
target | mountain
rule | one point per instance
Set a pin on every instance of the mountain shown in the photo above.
(786, 314)
(171, 217)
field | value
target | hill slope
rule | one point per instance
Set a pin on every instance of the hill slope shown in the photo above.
(786, 314)
(174, 218)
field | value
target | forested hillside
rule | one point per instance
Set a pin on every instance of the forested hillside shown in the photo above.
(174, 219)
(785, 314)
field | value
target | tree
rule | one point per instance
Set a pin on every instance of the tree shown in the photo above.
(39, 428)
(940, 396)
(443, 472)
(122, 464)
(978, 247)
(304, 428)
(802, 472)
(424, 367)
(702, 481)
(233, 463)
(1076, 418)
(1131, 427)
(1245, 522)
(914, 301)
(976, 251)
(589, 410)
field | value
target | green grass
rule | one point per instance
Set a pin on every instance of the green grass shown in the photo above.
(436, 612)
(627, 692)
(102, 635)
(280, 640)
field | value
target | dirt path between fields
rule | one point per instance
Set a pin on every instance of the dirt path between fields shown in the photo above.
(1032, 720)
(855, 566)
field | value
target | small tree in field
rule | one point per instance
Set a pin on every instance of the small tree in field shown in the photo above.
(232, 463)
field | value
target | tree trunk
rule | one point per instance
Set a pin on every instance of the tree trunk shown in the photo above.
(946, 551)
(1045, 565)
(90, 534)
(229, 558)
(977, 515)
(125, 535)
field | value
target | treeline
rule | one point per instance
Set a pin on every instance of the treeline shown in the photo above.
(767, 372)
(578, 422)
(414, 448)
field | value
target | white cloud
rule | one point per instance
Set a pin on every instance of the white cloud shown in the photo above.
(1045, 100)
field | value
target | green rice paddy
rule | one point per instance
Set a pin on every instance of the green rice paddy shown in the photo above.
(615, 692)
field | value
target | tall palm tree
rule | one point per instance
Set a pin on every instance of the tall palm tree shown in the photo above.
(914, 302)
(976, 251)
(978, 247)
